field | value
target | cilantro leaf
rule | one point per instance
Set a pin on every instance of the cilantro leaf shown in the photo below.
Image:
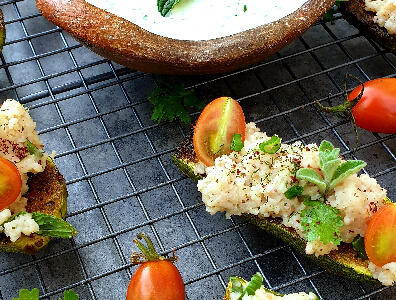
(165, 6)
(170, 102)
(321, 221)
(34, 295)
(28, 295)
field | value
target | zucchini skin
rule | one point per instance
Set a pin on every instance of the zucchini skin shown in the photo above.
(353, 11)
(47, 194)
(2, 31)
(342, 262)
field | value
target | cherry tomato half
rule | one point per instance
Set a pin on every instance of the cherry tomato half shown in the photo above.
(215, 128)
(156, 280)
(10, 183)
(380, 238)
(376, 110)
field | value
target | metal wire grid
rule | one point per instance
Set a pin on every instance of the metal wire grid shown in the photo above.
(120, 177)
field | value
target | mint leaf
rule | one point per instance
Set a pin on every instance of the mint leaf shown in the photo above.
(170, 102)
(321, 221)
(293, 192)
(165, 6)
(52, 226)
(28, 295)
(236, 142)
(345, 169)
(271, 146)
(312, 176)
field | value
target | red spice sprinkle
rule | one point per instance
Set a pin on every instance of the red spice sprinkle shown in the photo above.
(18, 150)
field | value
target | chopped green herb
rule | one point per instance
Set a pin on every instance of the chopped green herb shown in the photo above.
(294, 191)
(170, 102)
(271, 146)
(165, 6)
(358, 246)
(321, 221)
(250, 289)
(236, 142)
(32, 149)
(244, 8)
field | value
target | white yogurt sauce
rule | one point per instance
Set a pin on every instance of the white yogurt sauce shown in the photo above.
(200, 19)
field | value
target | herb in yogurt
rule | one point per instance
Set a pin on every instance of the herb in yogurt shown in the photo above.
(165, 6)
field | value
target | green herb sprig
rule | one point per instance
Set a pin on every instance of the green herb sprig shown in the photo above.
(170, 102)
(34, 295)
(333, 170)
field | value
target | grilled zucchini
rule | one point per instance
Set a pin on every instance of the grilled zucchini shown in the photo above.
(47, 194)
(2, 31)
(344, 261)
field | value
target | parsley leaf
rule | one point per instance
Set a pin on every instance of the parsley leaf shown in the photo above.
(34, 295)
(321, 221)
(170, 102)
(165, 6)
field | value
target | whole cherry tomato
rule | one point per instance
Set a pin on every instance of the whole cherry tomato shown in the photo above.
(380, 237)
(10, 183)
(157, 278)
(376, 110)
(215, 128)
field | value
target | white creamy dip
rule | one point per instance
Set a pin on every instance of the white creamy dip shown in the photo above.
(200, 19)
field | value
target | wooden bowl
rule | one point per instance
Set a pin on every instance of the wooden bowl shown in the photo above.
(128, 44)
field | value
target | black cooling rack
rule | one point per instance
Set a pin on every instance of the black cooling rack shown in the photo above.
(118, 168)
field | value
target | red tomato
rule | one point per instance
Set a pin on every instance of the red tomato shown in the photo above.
(215, 127)
(10, 183)
(380, 238)
(156, 280)
(376, 110)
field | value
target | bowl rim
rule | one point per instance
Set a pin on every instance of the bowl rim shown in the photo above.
(132, 46)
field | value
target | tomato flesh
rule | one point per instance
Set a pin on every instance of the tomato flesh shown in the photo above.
(376, 110)
(380, 238)
(10, 183)
(215, 128)
(156, 280)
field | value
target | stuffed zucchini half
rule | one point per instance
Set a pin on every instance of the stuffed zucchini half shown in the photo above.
(239, 288)
(33, 194)
(372, 18)
(304, 194)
